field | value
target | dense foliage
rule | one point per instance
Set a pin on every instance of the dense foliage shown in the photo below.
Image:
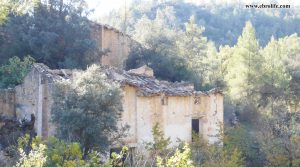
(52, 153)
(252, 54)
(258, 70)
(86, 109)
(174, 55)
(165, 67)
(55, 33)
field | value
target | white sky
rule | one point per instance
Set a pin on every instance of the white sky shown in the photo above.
(102, 7)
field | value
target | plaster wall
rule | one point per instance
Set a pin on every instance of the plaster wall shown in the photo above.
(129, 116)
(214, 118)
(175, 117)
(149, 111)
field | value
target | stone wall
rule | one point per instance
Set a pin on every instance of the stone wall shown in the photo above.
(34, 97)
(115, 44)
(118, 46)
(7, 103)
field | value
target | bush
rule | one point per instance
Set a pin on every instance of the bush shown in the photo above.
(179, 159)
(52, 153)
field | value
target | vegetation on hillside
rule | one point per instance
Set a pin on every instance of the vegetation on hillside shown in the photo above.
(54, 33)
(223, 22)
(253, 55)
(258, 69)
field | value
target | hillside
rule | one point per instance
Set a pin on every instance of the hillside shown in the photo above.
(223, 23)
(211, 85)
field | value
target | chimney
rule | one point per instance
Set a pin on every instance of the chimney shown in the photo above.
(144, 70)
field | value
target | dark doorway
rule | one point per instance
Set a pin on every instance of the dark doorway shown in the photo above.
(195, 127)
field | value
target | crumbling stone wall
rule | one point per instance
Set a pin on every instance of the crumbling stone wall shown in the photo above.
(115, 45)
(213, 119)
(34, 97)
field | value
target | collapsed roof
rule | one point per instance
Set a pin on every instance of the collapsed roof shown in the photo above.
(150, 86)
(52, 75)
(146, 85)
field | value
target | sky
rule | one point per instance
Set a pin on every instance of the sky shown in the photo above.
(102, 7)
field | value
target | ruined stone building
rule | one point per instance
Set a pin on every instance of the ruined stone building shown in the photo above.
(177, 107)
(114, 43)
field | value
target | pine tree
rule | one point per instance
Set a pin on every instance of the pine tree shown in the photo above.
(245, 65)
(275, 78)
(192, 46)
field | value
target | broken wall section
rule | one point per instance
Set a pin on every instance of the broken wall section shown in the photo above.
(34, 96)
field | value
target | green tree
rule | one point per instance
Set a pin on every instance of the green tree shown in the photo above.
(158, 47)
(164, 66)
(86, 109)
(218, 154)
(14, 72)
(4, 10)
(290, 47)
(157, 33)
(244, 66)
(52, 39)
(214, 73)
(275, 79)
(243, 139)
(280, 137)
(192, 46)
(46, 32)
(14, 6)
